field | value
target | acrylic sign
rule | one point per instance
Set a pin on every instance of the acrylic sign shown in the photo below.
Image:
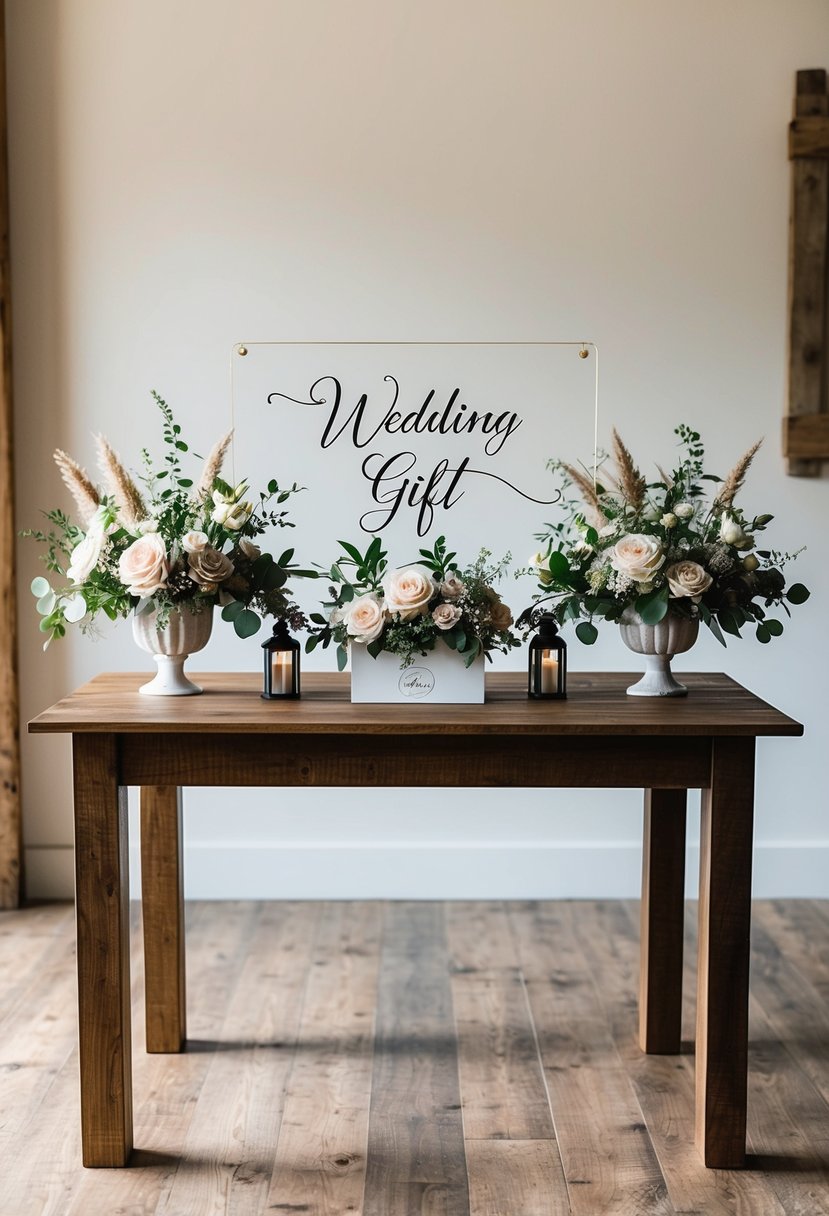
(410, 441)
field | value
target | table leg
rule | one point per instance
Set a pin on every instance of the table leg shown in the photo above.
(162, 898)
(102, 903)
(724, 929)
(662, 913)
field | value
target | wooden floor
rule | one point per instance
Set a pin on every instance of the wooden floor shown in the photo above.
(427, 1058)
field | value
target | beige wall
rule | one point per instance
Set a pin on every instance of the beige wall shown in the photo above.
(188, 173)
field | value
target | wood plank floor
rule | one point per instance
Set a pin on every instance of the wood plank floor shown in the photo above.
(415, 1059)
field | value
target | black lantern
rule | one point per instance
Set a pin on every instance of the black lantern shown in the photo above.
(281, 664)
(548, 661)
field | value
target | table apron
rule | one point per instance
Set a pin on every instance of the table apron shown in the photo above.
(509, 761)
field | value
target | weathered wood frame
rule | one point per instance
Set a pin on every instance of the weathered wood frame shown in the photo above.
(11, 851)
(806, 425)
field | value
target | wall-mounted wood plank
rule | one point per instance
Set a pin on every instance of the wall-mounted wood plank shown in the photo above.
(806, 437)
(10, 825)
(808, 261)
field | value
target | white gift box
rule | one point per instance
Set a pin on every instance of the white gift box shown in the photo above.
(439, 678)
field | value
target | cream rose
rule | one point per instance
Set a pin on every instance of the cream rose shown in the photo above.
(688, 579)
(538, 563)
(250, 550)
(364, 618)
(233, 515)
(84, 557)
(683, 510)
(637, 556)
(452, 588)
(668, 520)
(732, 533)
(408, 591)
(143, 567)
(446, 615)
(194, 542)
(500, 615)
(208, 567)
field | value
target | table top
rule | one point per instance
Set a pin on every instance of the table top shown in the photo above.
(596, 705)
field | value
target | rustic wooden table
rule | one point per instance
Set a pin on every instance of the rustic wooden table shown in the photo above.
(599, 737)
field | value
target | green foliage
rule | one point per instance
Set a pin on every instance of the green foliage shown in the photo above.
(580, 578)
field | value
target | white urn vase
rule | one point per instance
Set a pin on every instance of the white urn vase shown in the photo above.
(658, 644)
(171, 644)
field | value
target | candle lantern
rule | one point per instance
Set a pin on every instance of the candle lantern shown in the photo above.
(281, 653)
(548, 661)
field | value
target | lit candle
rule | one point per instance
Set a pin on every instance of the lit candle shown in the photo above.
(549, 672)
(282, 671)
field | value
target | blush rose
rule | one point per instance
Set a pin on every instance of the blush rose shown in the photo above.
(446, 615)
(364, 618)
(143, 567)
(637, 556)
(408, 591)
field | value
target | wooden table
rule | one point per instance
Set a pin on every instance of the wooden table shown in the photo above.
(599, 737)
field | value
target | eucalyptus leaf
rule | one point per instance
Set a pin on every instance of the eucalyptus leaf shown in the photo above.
(46, 603)
(231, 611)
(246, 623)
(797, 594)
(586, 632)
(342, 657)
(40, 587)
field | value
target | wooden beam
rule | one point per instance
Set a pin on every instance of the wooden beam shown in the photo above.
(806, 437)
(809, 136)
(10, 824)
(808, 270)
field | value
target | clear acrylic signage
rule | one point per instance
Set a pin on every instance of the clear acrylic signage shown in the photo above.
(409, 441)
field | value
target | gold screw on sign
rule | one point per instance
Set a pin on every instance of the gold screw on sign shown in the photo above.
(583, 353)
(241, 350)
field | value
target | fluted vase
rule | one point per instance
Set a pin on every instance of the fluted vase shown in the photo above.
(171, 644)
(658, 644)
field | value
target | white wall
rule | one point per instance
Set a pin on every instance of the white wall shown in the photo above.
(185, 174)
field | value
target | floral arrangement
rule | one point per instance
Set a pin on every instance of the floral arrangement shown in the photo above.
(661, 546)
(409, 609)
(169, 545)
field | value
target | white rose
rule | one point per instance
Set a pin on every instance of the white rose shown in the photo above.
(538, 562)
(732, 533)
(637, 556)
(683, 510)
(208, 567)
(607, 530)
(84, 557)
(363, 618)
(452, 588)
(250, 550)
(669, 520)
(229, 510)
(233, 516)
(688, 579)
(143, 567)
(146, 526)
(446, 615)
(408, 591)
(194, 542)
(500, 616)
